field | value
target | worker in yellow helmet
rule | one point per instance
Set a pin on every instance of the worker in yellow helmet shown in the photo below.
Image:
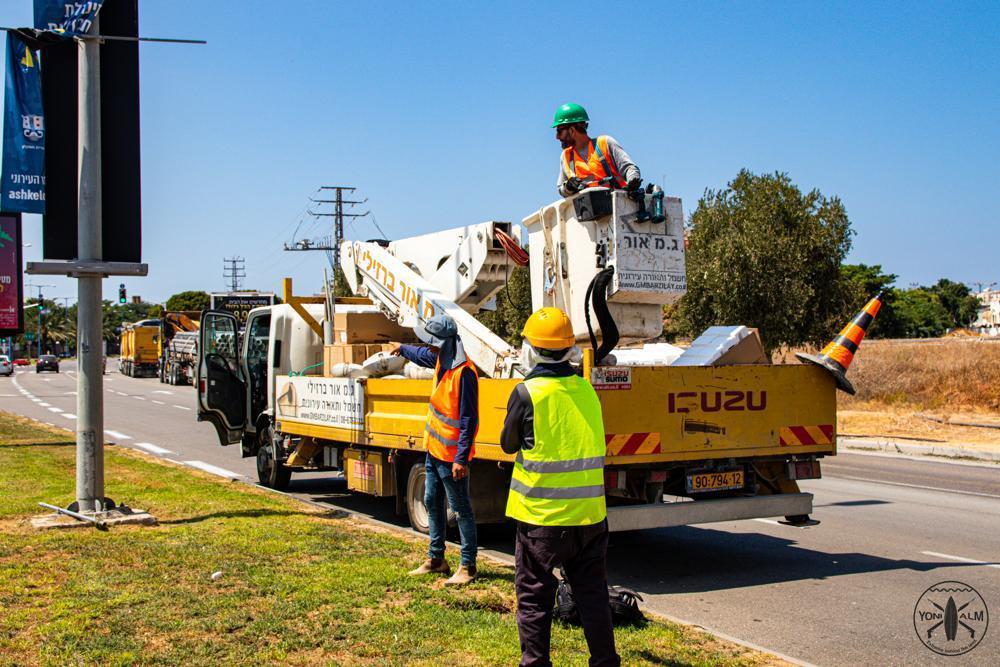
(554, 425)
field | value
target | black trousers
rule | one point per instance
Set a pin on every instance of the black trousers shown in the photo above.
(582, 551)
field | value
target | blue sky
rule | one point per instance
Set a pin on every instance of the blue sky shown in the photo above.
(439, 113)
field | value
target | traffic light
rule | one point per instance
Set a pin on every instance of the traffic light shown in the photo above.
(122, 298)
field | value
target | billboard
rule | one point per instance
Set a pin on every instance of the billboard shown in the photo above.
(11, 278)
(241, 303)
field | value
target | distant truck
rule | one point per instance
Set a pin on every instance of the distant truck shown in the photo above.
(178, 351)
(140, 347)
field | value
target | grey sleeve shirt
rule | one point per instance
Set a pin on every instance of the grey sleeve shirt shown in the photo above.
(622, 161)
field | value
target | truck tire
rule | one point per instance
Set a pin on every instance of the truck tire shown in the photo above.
(271, 472)
(416, 510)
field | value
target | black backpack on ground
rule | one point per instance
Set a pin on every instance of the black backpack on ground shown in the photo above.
(624, 604)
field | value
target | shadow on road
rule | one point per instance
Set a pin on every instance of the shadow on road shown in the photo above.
(691, 560)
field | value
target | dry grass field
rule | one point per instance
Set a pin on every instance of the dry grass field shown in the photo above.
(902, 382)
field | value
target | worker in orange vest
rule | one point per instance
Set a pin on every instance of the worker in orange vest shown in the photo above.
(587, 162)
(449, 438)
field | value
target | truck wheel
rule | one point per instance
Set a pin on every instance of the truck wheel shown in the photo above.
(271, 472)
(416, 510)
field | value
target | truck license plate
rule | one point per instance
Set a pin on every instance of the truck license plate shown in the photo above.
(715, 481)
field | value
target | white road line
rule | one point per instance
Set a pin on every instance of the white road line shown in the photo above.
(37, 400)
(139, 398)
(181, 407)
(55, 410)
(69, 415)
(918, 486)
(207, 467)
(768, 521)
(158, 402)
(116, 434)
(961, 559)
(153, 449)
(162, 391)
(45, 405)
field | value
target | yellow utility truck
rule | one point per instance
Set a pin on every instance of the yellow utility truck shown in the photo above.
(140, 346)
(713, 433)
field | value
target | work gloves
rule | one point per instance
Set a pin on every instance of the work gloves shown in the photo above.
(573, 185)
(634, 184)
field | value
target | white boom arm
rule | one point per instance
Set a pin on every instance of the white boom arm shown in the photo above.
(405, 296)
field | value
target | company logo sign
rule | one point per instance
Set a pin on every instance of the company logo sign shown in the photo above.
(716, 401)
(951, 618)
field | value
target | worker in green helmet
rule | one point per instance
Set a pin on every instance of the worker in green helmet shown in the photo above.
(587, 162)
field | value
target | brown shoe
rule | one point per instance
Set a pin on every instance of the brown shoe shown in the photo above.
(432, 566)
(462, 576)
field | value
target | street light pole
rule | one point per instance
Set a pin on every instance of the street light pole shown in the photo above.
(90, 394)
(38, 340)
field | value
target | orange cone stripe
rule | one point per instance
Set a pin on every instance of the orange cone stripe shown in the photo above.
(853, 333)
(838, 353)
(873, 306)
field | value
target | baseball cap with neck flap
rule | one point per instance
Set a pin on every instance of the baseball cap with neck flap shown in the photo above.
(441, 331)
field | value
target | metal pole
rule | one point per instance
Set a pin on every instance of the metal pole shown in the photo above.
(38, 322)
(90, 394)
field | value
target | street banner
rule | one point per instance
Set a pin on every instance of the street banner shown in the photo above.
(23, 171)
(240, 303)
(66, 17)
(11, 278)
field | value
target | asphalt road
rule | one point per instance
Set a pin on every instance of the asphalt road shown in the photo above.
(840, 593)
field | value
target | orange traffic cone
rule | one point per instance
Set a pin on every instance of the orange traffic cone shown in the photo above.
(837, 356)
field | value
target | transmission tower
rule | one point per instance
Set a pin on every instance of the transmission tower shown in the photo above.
(332, 243)
(234, 273)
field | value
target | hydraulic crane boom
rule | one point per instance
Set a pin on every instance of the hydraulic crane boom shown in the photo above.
(404, 295)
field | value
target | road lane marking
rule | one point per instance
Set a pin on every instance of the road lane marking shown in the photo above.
(153, 449)
(162, 391)
(181, 407)
(776, 523)
(36, 400)
(139, 398)
(215, 470)
(55, 409)
(45, 405)
(962, 559)
(116, 434)
(69, 415)
(917, 486)
(158, 402)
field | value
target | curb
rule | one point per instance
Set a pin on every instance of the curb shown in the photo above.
(897, 447)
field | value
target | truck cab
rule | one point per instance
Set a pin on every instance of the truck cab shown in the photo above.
(236, 371)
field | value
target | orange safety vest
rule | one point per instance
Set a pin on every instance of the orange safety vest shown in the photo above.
(443, 426)
(596, 167)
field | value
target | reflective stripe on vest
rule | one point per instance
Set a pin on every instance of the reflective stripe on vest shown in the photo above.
(596, 167)
(443, 426)
(560, 481)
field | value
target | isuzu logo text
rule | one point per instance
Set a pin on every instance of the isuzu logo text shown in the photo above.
(716, 401)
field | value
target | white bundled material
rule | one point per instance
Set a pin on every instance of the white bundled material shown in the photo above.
(650, 354)
(352, 371)
(382, 364)
(711, 345)
(415, 372)
(394, 377)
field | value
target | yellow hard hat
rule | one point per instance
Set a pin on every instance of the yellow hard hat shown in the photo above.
(549, 329)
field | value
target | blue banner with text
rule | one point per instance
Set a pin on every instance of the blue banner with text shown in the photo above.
(66, 16)
(23, 171)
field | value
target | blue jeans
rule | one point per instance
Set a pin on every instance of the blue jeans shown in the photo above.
(438, 485)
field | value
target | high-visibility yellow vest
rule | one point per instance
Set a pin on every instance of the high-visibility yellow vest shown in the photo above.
(560, 481)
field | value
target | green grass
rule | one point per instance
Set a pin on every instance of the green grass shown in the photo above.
(298, 586)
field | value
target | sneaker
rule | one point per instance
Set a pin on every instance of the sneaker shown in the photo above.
(432, 566)
(462, 576)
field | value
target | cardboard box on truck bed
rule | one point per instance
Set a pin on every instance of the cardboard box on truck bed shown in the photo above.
(339, 353)
(369, 328)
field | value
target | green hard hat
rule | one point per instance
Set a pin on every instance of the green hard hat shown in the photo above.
(570, 113)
